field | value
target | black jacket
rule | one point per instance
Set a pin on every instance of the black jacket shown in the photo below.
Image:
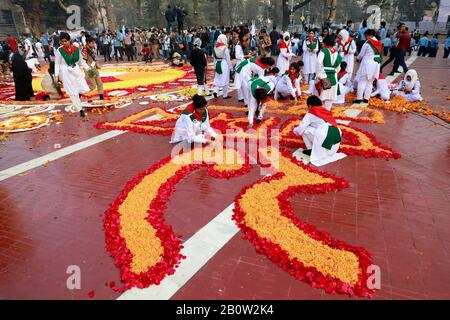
(198, 59)
(170, 15)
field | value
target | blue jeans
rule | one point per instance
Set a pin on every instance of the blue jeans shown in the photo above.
(169, 28)
(166, 54)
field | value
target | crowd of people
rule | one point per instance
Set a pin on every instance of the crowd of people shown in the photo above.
(261, 66)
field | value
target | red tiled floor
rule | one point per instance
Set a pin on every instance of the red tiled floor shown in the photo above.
(51, 217)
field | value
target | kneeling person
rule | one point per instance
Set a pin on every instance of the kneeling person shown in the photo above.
(193, 125)
(260, 89)
(409, 87)
(382, 90)
(320, 133)
(289, 82)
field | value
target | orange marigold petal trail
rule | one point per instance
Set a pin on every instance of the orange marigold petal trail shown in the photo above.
(143, 246)
(263, 213)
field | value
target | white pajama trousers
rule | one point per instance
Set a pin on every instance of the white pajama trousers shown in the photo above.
(224, 89)
(364, 89)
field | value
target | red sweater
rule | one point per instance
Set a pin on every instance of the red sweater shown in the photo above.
(404, 40)
(12, 43)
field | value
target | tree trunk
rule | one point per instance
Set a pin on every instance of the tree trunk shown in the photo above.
(220, 10)
(33, 17)
(196, 22)
(139, 13)
(286, 14)
(333, 11)
(110, 16)
(230, 4)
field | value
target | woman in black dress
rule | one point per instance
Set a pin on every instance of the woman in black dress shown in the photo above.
(22, 78)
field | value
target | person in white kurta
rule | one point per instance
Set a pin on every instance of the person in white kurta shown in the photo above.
(320, 134)
(381, 90)
(369, 69)
(284, 58)
(409, 87)
(70, 74)
(347, 49)
(289, 82)
(250, 68)
(240, 56)
(259, 90)
(193, 125)
(310, 49)
(328, 65)
(344, 84)
(223, 66)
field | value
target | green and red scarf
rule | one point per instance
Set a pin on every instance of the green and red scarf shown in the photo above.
(330, 68)
(71, 56)
(312, 44)
(346, 46)
(333, 135)
(293, 76)
(376, 46)
(195, 116)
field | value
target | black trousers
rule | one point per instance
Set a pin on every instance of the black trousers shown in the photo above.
(129, 52)
(391, 58)
(433, 52)
(107, 52)
(200, 73)
(446, 53)
(400, 60)
(422, 51)
(47, 53)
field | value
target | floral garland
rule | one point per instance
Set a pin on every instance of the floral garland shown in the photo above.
(263, 212)
(355, 141)
(400, 105)
(23, 123)
(375, 116)
(131, 123)
(136, 219)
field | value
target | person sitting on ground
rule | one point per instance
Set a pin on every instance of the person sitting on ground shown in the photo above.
(409, 87)
(146, 53)
(50, 86)
(177, 60)
(288, 84)
(344, 83)
(193, 125)
(320, 133)
(382, 90)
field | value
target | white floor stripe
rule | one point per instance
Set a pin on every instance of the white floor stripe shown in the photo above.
(198, 249)
(23, 167)
(37, 162)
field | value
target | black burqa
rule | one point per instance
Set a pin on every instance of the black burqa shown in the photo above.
(22, 78)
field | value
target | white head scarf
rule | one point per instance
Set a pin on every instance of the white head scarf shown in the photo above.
(345, 35)
(221, 46)
(197, 42)
(414, 77)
